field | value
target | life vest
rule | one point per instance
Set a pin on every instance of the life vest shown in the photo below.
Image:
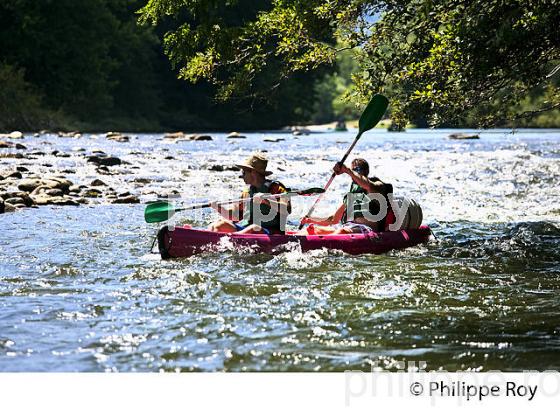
(266, 188)
(357, 199)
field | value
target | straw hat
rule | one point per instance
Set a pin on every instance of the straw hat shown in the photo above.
(256, 162)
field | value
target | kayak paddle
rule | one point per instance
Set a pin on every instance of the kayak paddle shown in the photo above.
(370, 117)
(162, 210)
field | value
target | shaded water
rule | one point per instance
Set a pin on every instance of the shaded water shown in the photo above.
(79, 290)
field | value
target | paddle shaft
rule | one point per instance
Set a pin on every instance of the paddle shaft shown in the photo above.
(310, 212)
(235, 201)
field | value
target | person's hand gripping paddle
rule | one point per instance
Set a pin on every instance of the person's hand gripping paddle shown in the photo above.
(369, 119)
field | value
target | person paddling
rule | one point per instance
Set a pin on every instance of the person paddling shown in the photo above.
(259, 215)
(366, 206)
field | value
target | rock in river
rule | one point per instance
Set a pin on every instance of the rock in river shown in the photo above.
(236, 135)
(38, 185)
(130, 199)
(460, 136)
(106, 161)
(98, 182)
(115, 136)
(198, 137)
(174, 135)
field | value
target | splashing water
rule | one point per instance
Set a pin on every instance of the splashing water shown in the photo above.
(79, 290)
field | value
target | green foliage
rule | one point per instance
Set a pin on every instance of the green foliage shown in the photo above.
(441, 63)
(334, 92)
(20, 104)
(92, 61)
(447, 59)
(266, 63)
(88, 58)
(244, 47)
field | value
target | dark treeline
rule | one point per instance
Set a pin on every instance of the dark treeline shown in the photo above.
(88, 64)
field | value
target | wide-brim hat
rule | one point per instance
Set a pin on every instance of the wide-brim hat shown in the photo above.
(256, 162)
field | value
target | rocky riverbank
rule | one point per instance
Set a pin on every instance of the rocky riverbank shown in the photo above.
(76, 173)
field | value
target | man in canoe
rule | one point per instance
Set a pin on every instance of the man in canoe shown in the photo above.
(255, 213)
(366, 206)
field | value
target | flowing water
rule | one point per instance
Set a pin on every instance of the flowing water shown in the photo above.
(80, 291)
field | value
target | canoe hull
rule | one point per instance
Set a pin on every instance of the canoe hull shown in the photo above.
(185, 241)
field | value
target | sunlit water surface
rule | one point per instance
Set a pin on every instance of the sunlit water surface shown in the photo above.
(80, 291)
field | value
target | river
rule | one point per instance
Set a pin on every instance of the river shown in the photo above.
(81, 291)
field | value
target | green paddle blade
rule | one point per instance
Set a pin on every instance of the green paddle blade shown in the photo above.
(373, 113)
(159, 212)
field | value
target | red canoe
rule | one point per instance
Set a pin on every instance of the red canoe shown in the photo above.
(186, 241)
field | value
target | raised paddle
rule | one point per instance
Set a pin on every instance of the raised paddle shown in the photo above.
(162, 210)
(369, 119)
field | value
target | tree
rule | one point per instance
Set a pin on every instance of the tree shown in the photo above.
(440, 61)
(20, 103)
(88, 58)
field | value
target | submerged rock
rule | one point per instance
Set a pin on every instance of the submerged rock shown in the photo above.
(105, 161)
(92, 193)
(236, 135)
(12, 155)
(129, 199)
(199, 137)
(98, 182)
(461, 136)
(18, 198)
(5, 207)
(14, 201)
(38, 185)
(273, 139)
(300, 131)
(115, 136)
(54, 192)
(71, 134)
(220, 168)
(14, 175)
(57, 200)
(174, 135)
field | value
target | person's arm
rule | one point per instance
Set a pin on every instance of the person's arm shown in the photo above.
(363, 181)
(233, 212)
(331, 220)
